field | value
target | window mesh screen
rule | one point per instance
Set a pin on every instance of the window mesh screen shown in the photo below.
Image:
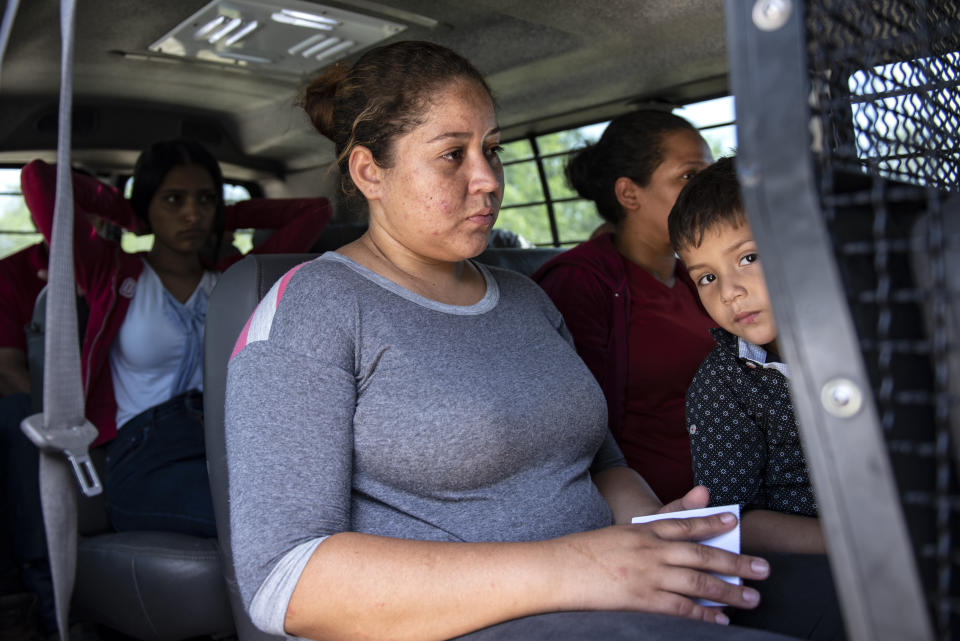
(885, 95)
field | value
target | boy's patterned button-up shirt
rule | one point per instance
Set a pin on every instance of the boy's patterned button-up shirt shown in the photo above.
(743, 433)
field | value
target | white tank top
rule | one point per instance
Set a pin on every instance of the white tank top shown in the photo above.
(146, 355)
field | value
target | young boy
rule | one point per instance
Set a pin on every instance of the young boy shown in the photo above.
(743, 434)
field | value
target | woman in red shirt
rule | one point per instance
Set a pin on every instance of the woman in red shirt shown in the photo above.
(629, 303)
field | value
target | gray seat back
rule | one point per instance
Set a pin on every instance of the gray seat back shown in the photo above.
(232, 301)
(525, 261)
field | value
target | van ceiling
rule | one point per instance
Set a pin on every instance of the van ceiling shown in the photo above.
(551, 64)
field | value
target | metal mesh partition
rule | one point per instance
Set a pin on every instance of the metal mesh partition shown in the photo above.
(849, 159)
(885, 78)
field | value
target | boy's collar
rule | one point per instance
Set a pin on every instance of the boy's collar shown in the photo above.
(756, 355)
(751, 352)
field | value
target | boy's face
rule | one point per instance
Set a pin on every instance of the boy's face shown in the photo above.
(726, 270)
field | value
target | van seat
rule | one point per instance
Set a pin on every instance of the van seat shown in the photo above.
(157, 586)
(153, 585)
(525, 261)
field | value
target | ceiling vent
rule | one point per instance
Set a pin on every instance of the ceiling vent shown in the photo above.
(285, 35)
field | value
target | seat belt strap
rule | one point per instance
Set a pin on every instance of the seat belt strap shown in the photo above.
(61, 429)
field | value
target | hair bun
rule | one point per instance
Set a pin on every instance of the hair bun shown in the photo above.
(319, 98)
(581, 174)
(383, 95)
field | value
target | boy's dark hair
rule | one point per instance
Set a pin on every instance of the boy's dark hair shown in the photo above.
(711, 197)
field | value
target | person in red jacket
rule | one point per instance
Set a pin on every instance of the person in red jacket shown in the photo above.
(629, 303)
(142, 349)
(22, 276)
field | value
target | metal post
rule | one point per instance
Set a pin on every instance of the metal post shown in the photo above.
(870, 551)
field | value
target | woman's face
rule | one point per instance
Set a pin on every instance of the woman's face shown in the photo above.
(182, 210)
(685, 153)
(442, 194)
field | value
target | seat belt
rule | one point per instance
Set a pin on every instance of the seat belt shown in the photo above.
(61, 432)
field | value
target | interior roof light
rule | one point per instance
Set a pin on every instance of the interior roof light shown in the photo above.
(227, 28)
(300, 22)
(309, 16)
(333, 51)
(210, 26)
(300, 46)
(238, 36)
(274, 35)
(320, 46)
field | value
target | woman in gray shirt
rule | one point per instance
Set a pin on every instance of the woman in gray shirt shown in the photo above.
(415, 449)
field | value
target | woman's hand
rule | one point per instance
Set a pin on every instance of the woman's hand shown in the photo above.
(695, 499)
(659, 567)
(366, 586)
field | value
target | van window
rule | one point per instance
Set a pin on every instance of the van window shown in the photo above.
(232, 193)
(905, 122)
(540, 206)
(16, 228)
(716, 120)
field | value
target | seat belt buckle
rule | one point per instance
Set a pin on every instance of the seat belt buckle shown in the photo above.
(73, 441)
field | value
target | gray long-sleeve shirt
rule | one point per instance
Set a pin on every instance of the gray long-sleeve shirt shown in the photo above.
(354, 404)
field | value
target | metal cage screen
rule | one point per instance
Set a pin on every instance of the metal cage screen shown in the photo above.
(885, 98)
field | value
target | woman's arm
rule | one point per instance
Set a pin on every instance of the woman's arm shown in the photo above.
(627, 494)
(94, 257)
(297, 221)
(363, 586)
(768, 531)
(38, 182)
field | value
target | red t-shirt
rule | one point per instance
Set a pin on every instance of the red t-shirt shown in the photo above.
(668, 339)
(19, 287)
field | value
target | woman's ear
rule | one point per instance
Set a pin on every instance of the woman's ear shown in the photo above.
(365, 172)
(629, 194)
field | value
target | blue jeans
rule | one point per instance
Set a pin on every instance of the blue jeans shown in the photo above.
(21, 480)
(156, 471)
(20, 467)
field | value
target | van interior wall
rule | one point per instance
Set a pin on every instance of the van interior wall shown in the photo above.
(322, 180)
